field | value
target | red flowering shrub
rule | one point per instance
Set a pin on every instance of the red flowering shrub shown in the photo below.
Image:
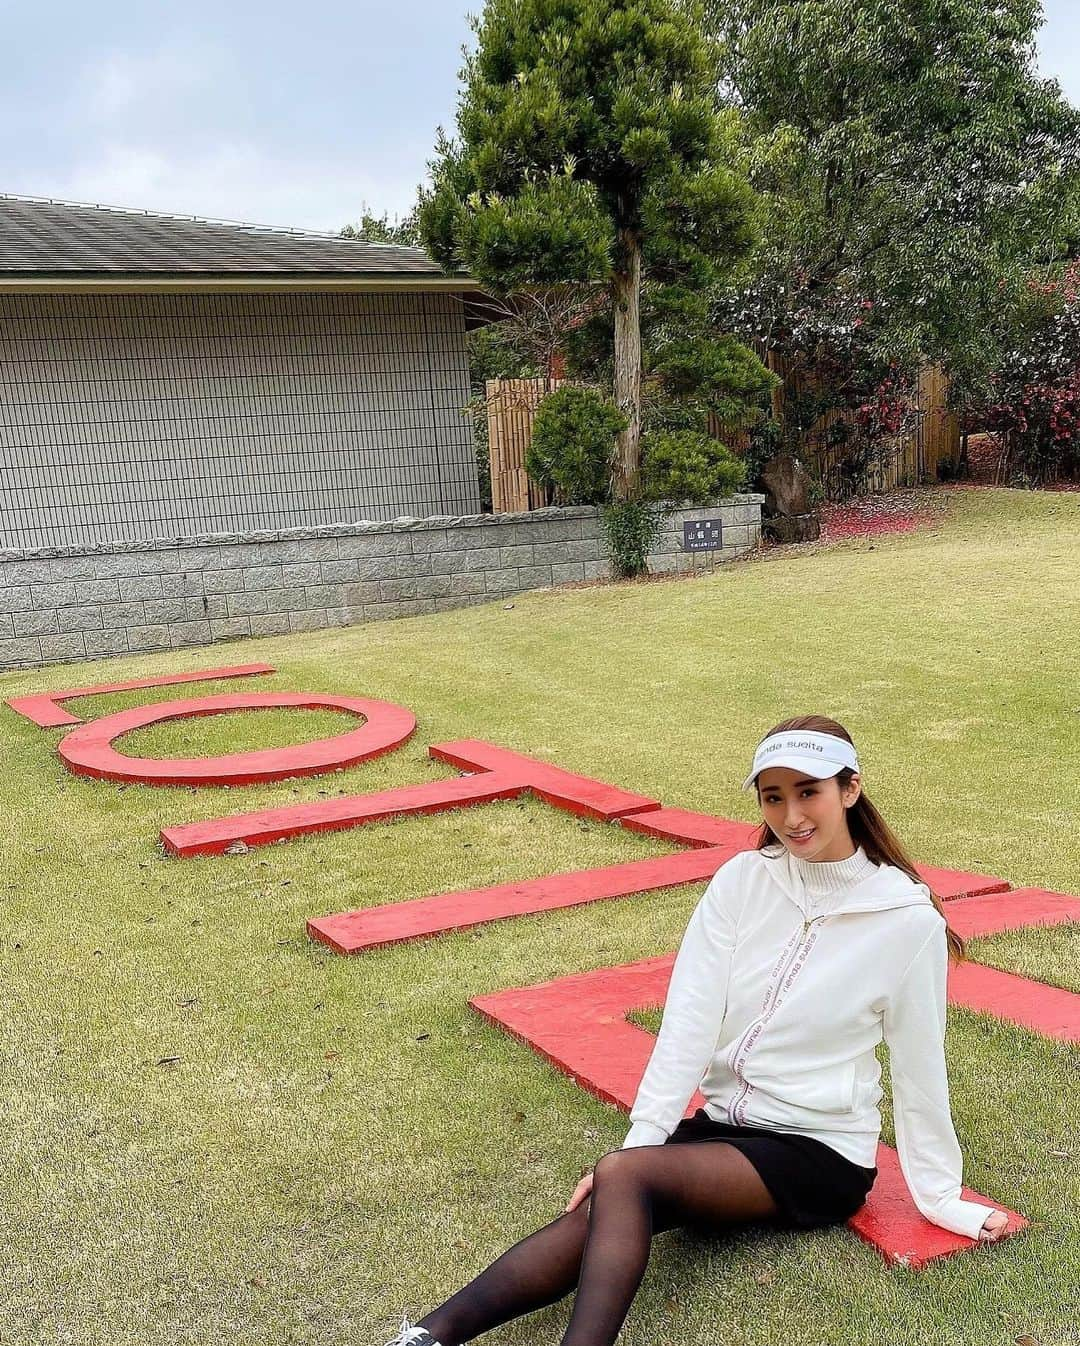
(889, 409)
(1036, 399)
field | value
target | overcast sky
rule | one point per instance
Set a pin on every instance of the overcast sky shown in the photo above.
(274, 113)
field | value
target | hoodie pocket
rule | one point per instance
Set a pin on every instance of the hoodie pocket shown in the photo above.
(821, 1089)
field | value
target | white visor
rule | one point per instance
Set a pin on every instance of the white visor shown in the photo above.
(806, 750)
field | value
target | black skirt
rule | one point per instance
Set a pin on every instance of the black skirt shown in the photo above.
(811, 1183)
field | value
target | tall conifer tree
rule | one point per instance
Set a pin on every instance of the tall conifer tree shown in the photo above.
(591, 149)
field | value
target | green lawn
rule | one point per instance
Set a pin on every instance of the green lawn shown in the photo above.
(214, 1130)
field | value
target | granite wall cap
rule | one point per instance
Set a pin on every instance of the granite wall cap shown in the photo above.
(358, 528)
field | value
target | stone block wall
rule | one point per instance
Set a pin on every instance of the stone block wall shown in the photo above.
(63, 604)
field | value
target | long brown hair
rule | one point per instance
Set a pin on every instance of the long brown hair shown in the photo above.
(866, 825)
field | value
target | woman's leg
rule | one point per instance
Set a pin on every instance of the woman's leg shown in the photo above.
(679, 1184)
(536, 1272)
(634, 1192)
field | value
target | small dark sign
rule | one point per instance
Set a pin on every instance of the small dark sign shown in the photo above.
(702, 535)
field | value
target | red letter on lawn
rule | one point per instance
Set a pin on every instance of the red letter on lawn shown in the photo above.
(44, 710)
(88, 751)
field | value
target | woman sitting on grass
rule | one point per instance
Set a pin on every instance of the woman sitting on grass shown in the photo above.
(802, 955)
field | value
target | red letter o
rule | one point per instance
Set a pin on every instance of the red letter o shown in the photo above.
(88, 750)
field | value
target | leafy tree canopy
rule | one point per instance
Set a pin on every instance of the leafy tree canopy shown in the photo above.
(907, 154)
(382, 229)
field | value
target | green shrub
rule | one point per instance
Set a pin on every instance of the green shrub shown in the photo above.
(682, 465)
(722, 371)
(572, 443)
(631, 529)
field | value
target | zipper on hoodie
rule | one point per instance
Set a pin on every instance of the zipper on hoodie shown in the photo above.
(772, 1000)
(777, 981)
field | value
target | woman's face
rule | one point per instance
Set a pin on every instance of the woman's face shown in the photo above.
(793, 805)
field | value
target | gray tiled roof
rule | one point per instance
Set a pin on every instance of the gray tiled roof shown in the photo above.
(45, 238)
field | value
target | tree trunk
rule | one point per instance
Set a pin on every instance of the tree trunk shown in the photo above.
(775, 365)
(626, 293)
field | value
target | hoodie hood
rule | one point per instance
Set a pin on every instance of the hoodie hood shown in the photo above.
(883, 889)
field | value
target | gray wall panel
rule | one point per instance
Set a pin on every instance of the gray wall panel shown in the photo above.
(127, 417)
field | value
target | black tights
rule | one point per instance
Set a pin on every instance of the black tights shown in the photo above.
(602, 1246)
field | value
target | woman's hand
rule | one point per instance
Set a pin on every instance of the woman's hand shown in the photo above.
(581, 1191)
(993, 1227)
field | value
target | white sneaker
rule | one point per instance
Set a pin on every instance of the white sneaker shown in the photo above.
(412, 1336)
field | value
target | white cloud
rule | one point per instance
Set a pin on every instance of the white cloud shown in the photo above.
(233, 181)
(162, 129)
(122, 84)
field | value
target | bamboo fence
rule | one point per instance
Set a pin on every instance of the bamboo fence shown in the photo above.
(904, 461)
(511, 409)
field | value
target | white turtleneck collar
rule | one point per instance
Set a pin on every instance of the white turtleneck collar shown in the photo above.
(823, 877)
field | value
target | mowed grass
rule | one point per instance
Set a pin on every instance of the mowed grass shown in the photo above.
(214, 1129)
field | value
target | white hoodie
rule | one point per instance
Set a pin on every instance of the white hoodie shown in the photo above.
(776, 1002)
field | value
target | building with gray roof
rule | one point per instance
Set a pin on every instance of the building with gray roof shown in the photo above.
(165, 377)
